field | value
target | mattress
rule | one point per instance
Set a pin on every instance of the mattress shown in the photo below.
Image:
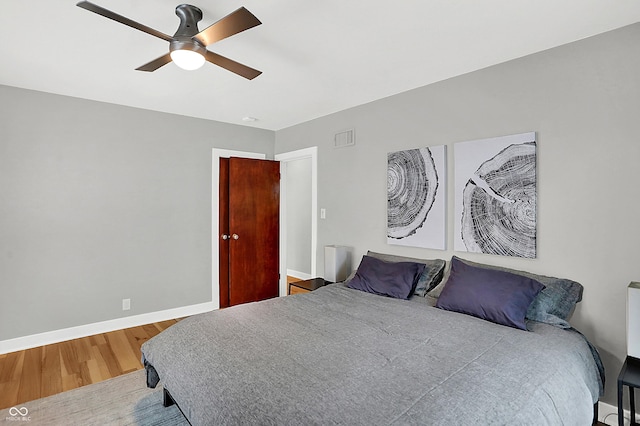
(343, 356)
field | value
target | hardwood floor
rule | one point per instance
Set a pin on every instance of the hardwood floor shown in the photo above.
(47, 370)
(51, 369)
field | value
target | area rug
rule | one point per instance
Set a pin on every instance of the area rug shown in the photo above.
(124, 400)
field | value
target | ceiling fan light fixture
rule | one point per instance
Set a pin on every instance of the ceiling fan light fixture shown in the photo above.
(187, 59)
(187, 54)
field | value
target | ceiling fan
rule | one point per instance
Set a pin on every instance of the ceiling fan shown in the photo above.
(188, 46)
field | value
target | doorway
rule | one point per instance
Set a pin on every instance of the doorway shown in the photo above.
(299, 223)
(312, 154)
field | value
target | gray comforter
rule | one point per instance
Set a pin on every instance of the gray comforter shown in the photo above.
(342, 356)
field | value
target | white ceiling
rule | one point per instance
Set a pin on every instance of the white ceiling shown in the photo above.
(317, 57)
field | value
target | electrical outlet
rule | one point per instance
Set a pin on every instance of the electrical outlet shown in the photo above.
(126, 304)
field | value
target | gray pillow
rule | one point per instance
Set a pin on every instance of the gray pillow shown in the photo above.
(431, 276)
(553, 305)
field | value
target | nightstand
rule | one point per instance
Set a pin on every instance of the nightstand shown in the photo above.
(307, 285)
(629, 376)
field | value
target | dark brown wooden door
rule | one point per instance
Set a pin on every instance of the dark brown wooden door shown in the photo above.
(253, 229)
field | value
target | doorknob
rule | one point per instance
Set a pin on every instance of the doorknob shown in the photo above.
(225, 237)
(235, 236)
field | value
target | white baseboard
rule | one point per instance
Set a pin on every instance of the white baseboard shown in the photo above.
(298, 274)
(50, 337)
(608, 414)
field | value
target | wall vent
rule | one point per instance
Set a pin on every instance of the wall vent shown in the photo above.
(344, 139)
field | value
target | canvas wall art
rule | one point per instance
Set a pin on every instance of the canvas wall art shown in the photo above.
(495, 196)
(416, 197)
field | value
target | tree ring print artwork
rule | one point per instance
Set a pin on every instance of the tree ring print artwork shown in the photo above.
(414, 197)
(412, 181)
(499, 204)
(497, 212)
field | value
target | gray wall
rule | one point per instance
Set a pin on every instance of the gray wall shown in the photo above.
(298, 187)
(582, 99)
(100, 202)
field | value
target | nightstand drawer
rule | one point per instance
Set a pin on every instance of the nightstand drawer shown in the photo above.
(296, 290)
(306, 286)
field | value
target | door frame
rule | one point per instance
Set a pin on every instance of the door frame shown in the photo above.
(215, 196)
(284, 158)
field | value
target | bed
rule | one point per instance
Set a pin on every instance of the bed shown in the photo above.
(341, 355)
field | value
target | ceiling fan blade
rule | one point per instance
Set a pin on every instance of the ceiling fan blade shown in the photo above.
(155, 64)
(233, 23)
(231, 65)
(123, 20)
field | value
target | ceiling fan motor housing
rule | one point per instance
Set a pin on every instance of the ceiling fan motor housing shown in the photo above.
(183, 38)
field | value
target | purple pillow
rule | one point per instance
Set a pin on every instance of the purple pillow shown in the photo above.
(395, 279)
(496, 296)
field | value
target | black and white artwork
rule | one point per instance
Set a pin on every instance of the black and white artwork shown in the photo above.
(416, 197)
(495, 196)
